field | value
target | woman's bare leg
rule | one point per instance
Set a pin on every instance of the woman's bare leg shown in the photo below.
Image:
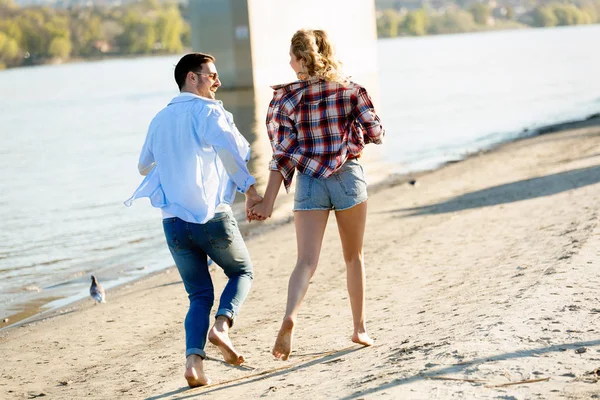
(351, 225)
(310, 229)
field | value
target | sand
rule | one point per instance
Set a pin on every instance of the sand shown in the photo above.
(482, 275)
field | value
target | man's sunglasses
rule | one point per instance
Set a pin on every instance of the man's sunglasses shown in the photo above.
(213, 75)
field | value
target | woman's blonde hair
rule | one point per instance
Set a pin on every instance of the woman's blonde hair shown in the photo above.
(316, 52)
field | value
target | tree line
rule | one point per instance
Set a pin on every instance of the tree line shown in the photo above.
(481, 16)
(36, 35)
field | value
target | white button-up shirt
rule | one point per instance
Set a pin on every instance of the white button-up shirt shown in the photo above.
(194, 158)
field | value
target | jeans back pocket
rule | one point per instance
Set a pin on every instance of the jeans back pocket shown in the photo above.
(170, 229)
(220, 231)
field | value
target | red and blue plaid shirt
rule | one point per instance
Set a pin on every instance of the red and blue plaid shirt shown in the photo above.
(316, 125)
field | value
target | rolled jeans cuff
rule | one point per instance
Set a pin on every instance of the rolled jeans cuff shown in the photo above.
(226, 313)
(196, 351)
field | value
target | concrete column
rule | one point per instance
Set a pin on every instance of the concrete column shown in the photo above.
(221, 28)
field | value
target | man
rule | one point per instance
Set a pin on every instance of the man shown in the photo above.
(195, 159)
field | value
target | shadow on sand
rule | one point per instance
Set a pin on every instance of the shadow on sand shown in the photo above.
(457, 368)
(211, 389)
(511, 192)
(187, 393)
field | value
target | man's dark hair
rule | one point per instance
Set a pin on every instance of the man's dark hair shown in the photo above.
(190, 62)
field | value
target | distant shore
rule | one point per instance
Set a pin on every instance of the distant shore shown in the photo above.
(107, 57)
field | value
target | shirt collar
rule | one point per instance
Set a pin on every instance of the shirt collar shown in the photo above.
(187, 96)
(300, 84)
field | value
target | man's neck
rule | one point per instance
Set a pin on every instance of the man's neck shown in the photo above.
(194, 92)
(184, 90)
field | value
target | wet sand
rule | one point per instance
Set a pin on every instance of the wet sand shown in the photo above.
(483, 282)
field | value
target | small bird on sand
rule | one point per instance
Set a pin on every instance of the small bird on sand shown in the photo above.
(97, 291)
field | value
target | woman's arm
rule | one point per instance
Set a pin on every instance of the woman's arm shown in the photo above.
(264, 209)
(365, 114)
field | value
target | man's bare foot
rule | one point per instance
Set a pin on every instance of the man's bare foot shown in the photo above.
(194, 371)
(283, 344)
(361, 337)
(219, 336)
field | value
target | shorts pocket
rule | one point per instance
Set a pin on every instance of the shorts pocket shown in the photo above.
(352, 181)
(304, 187)
(220, 231)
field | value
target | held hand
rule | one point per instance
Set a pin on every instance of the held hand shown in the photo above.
(253, 195)
(262, 210)
(251, 202)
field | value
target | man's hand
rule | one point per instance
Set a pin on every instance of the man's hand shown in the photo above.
(252, 199)
(262, 210)
(250, 204)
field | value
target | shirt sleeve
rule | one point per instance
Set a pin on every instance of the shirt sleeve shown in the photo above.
(282, 135)
(364, 113)
(219, 134)
(146, 161)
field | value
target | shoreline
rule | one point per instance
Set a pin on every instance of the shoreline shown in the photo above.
(80, 60)
(482, 29)
(481, 283)
(33, 309)
(524, 134)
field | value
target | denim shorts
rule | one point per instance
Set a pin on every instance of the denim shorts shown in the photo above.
(342, 190)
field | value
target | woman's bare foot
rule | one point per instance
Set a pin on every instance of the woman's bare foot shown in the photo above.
(219, 336)
(283, 344)
(361, 337)
(194, 371)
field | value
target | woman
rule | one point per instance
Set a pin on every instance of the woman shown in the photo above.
(319, 125)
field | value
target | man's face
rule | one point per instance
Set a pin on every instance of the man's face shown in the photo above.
(208, 80)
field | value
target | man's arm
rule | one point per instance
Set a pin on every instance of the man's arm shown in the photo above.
(146, 161)
(145, 170)
(219, 134)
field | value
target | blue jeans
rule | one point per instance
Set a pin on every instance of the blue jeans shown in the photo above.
(190, 244)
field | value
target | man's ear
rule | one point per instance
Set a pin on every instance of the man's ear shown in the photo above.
(190, 76)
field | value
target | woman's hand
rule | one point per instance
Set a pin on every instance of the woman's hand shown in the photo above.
(262, 210)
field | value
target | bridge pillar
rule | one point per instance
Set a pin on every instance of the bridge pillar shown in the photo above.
(251, 38)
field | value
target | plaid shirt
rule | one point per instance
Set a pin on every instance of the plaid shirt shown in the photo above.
(316, 125)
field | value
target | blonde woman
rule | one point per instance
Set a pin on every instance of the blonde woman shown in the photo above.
(318, 125)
